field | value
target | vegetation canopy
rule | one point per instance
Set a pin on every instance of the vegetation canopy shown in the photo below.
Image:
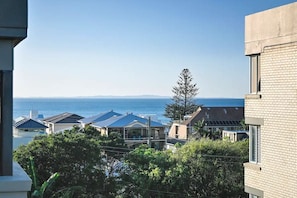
(82, 163)
(78, 156)
(203, 169)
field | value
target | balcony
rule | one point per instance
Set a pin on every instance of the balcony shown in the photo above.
(139, 134)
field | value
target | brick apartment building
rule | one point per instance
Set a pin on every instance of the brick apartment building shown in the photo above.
(271, 105)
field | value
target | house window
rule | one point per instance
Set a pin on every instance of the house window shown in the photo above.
(255, 144)
(255, 74)
(176, 131)
(50, 128)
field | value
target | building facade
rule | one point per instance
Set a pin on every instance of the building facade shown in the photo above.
(61, 122)
(234, 136)
(214, 119)
(134, 129)
(271, 105)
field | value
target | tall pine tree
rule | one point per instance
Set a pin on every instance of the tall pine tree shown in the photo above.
(183, 98)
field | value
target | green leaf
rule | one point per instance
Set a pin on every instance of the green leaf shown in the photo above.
(47, 184)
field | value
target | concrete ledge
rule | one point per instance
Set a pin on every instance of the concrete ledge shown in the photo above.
(254, 121)
(261, 31)
(252, 166)
(253, 96)
(17, 185)
(253, 191)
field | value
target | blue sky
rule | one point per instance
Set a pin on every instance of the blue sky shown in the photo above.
(134, 47)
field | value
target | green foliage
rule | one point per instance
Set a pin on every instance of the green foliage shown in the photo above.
(201, 168)
(111, 144)
(77, 156)
(145, 174)
(88, 165)
(88, 130)
(173, 111)
(212, 168)
(199, 130)
(183, 98)
(37, 191)
(40, 192)
(243, 126)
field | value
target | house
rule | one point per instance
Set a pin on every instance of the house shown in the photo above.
(235, 136)
(134, 129)
(25, 129)
(214, 118)
(271, 105)
(28, 127)
(61, 122)
(97, 118)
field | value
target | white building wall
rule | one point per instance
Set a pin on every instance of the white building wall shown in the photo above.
(276, 175)
(58, 127)
(273, 34)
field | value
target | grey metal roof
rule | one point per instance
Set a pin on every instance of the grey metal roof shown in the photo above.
(64, 118)
(124, 121)
(99, 117)
(217, 116)
(28, 123)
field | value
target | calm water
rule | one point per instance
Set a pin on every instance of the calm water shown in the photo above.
(92, 106)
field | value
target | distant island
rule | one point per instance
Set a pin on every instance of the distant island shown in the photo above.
(121, 97)
(126, 96)
(101, 96)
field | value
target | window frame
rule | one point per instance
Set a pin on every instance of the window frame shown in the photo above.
(255, 144)
(176, 131)
(255, 73)
(253, 196)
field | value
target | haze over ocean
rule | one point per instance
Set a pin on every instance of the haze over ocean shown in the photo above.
(86, 107)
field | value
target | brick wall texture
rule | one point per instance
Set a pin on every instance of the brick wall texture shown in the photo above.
(276, 175)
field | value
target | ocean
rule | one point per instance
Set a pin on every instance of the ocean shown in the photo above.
(154, 107)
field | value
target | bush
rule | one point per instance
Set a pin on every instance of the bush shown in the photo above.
(77, 157)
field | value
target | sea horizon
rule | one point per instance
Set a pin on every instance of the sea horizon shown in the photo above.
(90, 106)
(117, 96)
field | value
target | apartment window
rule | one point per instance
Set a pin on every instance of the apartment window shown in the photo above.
(255, 144)
(255, 73)
(253, 196)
